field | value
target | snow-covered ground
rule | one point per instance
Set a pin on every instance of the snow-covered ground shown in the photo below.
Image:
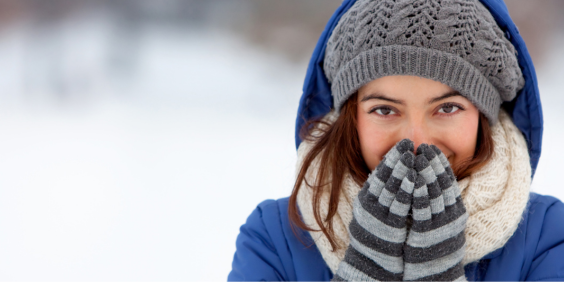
(144, 167)
(145, 178)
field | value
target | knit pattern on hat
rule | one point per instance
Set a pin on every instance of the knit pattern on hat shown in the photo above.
(495, 197)
(455, 42)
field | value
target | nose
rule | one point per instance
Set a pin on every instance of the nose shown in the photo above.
(418, 132)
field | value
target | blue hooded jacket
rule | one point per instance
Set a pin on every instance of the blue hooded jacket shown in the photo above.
(267, 249)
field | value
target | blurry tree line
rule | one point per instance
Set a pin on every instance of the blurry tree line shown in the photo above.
(288, 26)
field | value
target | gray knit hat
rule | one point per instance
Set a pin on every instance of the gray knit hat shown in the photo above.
(455, 42)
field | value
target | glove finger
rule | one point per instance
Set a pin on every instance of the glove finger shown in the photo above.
(421, 205)
(375, 184)
(424, 168)
(404, 145)
(402, 202)
(432, 157)
(444, 161)
(379, 197)
(434, 191)
(446, 180)
(394, 182)
(441, 195)
(384, 169)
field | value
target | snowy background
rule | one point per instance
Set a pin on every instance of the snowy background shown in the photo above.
(136, 138)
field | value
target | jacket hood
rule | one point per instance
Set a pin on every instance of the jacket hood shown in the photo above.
(525, 109)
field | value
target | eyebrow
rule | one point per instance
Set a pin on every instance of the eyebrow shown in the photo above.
(379, 96)
(444, 96)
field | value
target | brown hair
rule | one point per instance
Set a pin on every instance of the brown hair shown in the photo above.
(338, 147)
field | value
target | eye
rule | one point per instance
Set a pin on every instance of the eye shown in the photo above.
(449, 109)
(384, 111)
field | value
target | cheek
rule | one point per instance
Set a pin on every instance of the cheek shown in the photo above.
(375, 141)
(460, 141)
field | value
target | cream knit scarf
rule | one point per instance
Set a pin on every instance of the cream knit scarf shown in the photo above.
(495, 197)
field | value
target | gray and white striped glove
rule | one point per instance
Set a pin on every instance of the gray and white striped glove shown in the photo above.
(378, 228)
(435, 244)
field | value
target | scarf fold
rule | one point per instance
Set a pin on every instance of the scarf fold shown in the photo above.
(495, 197)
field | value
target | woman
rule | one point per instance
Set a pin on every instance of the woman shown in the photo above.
(422, 169)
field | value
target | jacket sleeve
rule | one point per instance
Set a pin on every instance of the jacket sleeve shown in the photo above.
(256, 258)
(548, 261)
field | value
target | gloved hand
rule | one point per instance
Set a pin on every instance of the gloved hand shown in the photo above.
(378, 228)
(435, 244)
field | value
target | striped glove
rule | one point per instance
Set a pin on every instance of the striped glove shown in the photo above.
(435, 244)
(378, 228)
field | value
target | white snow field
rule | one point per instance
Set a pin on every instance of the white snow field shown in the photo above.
(147, 173)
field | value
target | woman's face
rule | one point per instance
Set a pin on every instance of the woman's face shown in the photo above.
(392, 108)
